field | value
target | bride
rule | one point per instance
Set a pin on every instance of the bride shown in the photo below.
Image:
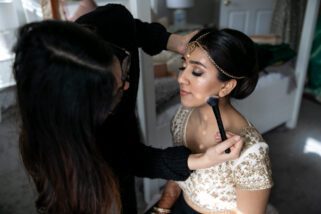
(223, 64)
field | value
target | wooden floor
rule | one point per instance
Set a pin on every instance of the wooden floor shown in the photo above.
(295, 156)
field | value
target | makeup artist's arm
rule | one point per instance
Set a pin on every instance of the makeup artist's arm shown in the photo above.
(175, 163)
(216, 154)
(153, 38)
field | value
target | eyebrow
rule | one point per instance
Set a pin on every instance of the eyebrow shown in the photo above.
(194, 62)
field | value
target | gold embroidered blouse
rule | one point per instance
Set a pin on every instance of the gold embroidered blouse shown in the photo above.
(214, 189)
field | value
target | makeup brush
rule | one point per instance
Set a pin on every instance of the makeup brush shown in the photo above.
(213, 101)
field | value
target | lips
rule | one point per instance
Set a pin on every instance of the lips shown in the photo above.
(183, 93)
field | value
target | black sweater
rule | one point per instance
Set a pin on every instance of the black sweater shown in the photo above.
(119, 139)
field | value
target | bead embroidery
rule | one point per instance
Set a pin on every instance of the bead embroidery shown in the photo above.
(214, 188)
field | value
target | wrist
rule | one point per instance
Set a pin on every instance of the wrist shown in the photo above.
(208, 160)
(198, 161)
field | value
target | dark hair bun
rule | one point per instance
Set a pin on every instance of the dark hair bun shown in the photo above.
(245, 86)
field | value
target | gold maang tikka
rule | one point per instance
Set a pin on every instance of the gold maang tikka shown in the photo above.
(193, 45)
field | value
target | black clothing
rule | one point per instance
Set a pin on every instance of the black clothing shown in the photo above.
(181, 207)
(119, 139)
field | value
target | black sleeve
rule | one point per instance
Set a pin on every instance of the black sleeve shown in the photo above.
(114, 23)
(151, 37)
(169, 163)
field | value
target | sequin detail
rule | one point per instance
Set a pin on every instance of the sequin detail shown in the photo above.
(214, 188)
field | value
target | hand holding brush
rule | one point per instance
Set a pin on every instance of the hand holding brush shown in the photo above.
(213, 101)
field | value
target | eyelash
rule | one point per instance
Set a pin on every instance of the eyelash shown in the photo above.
(195, 73)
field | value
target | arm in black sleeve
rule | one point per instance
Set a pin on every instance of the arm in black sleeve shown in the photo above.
(169, 163)
(151, 37)
(116, 24)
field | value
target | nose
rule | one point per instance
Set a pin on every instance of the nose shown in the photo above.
(182, 79)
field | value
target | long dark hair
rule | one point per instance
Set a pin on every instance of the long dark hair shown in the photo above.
(235, 53)
(64, 90)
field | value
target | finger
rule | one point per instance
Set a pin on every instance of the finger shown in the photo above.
(228, 143)
(236, 150)
(190, 35)
(218, 137)
(229, 134)
(237, 146)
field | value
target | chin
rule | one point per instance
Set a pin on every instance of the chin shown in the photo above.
(189, 104)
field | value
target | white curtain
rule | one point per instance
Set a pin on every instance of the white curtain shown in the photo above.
(287, 20)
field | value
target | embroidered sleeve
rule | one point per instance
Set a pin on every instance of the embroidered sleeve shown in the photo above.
(253, 169)
(178, 125)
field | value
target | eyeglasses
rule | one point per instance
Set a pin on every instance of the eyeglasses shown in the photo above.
(124, 59)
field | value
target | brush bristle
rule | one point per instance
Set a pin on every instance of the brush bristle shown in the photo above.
(212, 101)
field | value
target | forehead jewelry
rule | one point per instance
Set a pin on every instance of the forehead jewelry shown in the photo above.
(193, 45)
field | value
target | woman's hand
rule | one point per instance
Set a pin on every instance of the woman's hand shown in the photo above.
(234, 142)
(216, 154)
(178, 43)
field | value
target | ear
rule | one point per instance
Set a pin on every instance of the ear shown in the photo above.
(227, 88)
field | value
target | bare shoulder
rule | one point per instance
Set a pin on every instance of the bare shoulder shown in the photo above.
(236, 122)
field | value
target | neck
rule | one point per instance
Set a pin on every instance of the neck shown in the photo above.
(206, 115)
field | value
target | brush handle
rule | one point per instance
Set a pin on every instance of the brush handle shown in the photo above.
(217, 114)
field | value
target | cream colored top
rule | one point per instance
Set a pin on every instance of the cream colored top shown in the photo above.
(214, 189)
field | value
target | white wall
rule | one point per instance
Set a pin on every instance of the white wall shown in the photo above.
(204, 11)
(9, 21)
